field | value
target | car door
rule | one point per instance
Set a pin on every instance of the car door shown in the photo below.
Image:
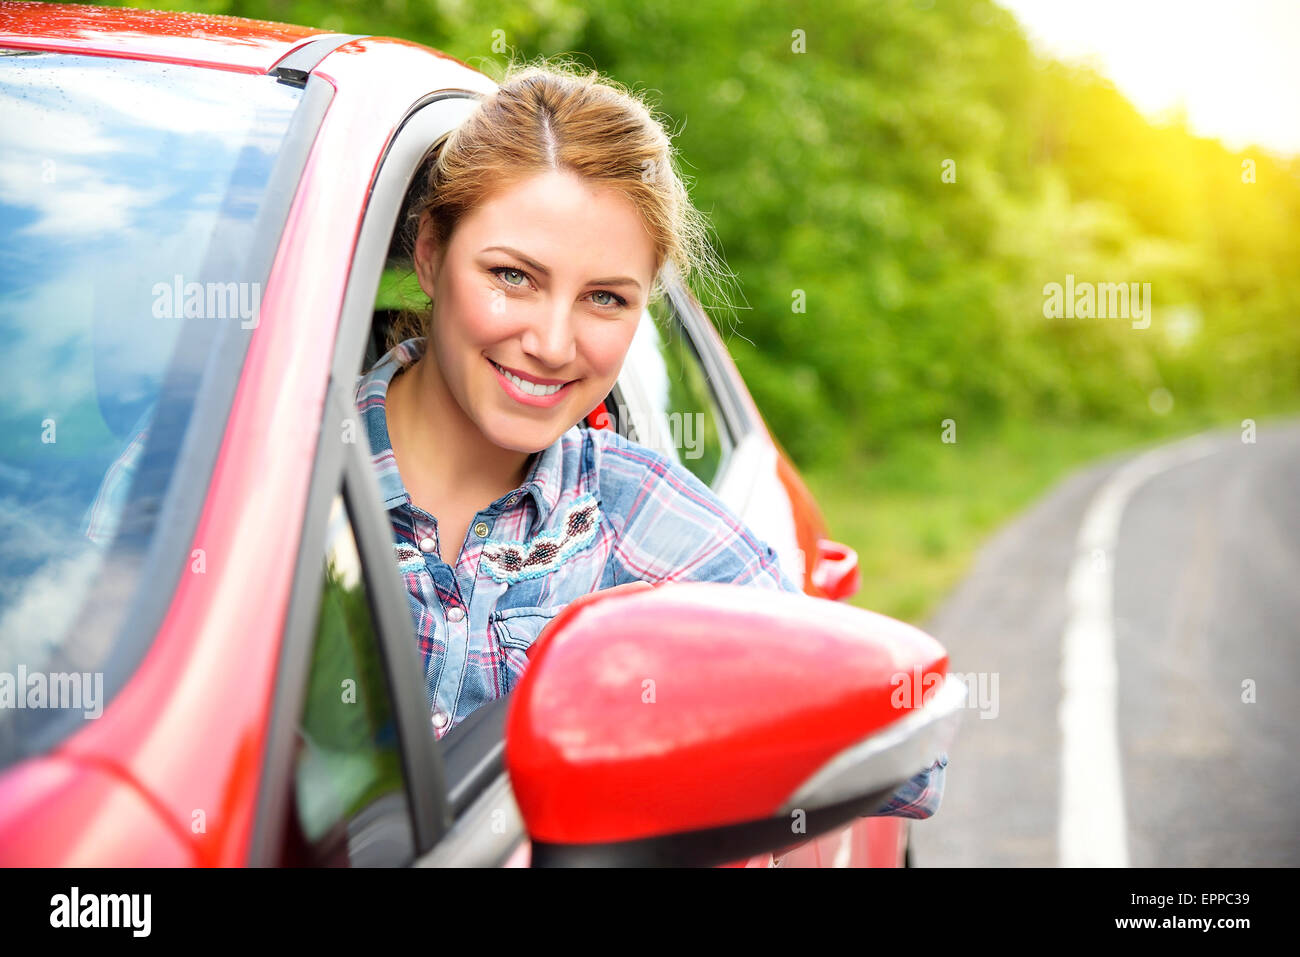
(396, 794)
(666, 387)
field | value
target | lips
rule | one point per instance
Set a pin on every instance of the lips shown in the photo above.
(529, 391)
(535, 380)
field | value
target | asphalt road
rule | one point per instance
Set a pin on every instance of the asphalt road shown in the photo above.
(1202, 599)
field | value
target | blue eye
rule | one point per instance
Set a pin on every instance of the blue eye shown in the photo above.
(498, 270)
(615, 301)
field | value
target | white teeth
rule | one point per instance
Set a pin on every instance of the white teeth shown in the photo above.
(531, 388)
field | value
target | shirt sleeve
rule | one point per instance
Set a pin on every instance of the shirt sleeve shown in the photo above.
(674, 528)
(920, 797)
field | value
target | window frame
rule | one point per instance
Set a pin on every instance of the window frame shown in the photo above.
(343, 467)
(684, 338)
(392, 805)
(477, 756)
(693, 318)
(347, 465)
(733, 412)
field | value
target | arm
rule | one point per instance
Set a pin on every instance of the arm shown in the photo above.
(672, 527)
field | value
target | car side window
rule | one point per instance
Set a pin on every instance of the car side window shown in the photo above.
(686, 419)
(348, 796)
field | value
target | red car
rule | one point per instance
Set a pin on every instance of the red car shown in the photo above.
(197, 214)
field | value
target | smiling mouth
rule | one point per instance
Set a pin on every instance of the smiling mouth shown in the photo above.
(527, 386)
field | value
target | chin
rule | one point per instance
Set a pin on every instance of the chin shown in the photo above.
(525, 437)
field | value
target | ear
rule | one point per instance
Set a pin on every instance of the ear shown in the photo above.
(428, 255)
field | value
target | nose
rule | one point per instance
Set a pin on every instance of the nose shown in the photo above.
(548, 338)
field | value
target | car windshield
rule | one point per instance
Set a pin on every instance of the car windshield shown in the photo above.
(130, 195)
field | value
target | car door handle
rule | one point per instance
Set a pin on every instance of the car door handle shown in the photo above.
(835, 572)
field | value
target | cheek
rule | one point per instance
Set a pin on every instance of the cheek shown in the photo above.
(478, 313)
(489, 317)
(605, 348)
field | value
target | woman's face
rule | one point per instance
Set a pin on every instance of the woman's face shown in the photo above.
(545, 281)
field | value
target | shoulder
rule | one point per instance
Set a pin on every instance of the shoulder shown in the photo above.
(619, 456)
(373, 383)
(654, 501)
(631, 475)
(670, 526)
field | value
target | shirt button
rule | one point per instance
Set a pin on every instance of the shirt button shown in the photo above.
(439, 720)
(512, 500)
(455, 613)
(481, 529)
(426, 544)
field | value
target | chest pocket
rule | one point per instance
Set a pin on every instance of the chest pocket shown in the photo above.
(515, 630)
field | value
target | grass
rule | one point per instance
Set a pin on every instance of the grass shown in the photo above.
(918, 515)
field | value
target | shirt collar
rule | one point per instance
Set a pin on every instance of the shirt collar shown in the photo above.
(545, 479)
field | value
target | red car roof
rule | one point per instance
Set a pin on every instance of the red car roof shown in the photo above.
(226, 43)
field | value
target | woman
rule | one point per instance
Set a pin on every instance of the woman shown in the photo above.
(538, 234)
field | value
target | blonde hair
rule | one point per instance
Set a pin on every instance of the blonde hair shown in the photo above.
(558, 115)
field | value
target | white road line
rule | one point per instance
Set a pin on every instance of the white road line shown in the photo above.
(1092, 828)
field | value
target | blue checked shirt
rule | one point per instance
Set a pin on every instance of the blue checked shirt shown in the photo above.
(596, 511)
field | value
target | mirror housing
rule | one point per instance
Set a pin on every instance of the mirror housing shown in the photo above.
(689, 723)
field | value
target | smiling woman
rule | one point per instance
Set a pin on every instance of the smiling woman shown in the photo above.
(537, 230)
(540, 230)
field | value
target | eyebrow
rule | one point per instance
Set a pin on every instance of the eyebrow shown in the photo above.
(534, 264)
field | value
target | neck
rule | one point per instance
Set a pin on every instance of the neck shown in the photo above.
(433, 436)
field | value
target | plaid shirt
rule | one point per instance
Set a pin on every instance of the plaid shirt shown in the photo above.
(596, 511)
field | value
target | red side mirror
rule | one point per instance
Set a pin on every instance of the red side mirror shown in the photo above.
(688, 722)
